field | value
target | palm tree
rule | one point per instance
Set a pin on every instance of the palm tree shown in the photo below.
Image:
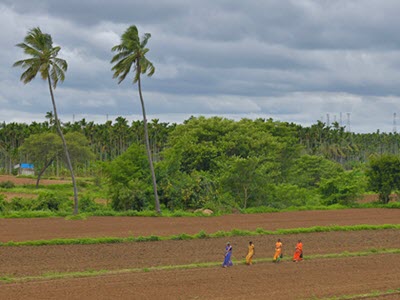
(44, 60)
(131, 54)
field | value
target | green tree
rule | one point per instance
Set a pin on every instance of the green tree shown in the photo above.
(44, 60)
(344, 188)
(243, 178)
(308, 170)
(384, 175)
(42, 149)
(131, 55)
(129, 184)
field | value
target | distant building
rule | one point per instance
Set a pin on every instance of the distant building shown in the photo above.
(25, 169)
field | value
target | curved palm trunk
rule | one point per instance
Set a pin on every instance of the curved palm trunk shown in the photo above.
(65, 147)
(146, 136)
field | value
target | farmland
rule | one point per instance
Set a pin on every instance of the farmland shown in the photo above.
(337, 263)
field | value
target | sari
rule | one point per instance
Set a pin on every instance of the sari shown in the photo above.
(227, 260)
(278, 251)
(298, 252)
(250, 255)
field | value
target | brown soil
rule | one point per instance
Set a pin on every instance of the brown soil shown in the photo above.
(8, 196)
(49, 228)
(22, 181)
(287, 280)
(23, 261)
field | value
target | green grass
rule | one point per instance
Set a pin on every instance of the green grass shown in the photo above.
(93, 273)
(201, 235)
(98, 193)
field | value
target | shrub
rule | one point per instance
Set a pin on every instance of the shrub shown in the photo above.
(81, 183)
(3, 203)
(87, 204)
(131, 197)
(7, 184)
(53, 202)
(19, 204)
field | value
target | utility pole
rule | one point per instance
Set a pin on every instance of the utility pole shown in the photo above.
(394, 123)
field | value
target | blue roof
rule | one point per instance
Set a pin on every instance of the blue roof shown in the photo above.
(27, 166)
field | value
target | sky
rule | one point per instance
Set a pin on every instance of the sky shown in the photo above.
(290, 60)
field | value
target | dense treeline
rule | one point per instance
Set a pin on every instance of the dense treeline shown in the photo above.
(209, 162)
(111, 139)
(107, 141)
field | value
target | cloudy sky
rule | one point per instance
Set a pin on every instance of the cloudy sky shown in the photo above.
(291, 60)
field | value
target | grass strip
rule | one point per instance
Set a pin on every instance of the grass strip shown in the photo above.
(339, 255)
(106, 211)
(201, 235)
(362, 296)
(94, 273)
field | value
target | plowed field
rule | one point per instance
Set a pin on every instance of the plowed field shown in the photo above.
(313, 278)
(50, 228)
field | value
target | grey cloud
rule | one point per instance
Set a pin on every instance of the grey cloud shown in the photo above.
(291, 60)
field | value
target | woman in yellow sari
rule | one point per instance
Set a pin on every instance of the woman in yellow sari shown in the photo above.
(278, 251)
(250, 254)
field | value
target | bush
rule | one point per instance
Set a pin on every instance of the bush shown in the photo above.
(7, 184)
(81, 183)
(3, 203)
(87, 204)
(131, 197)
(51, 201)
(20, 204)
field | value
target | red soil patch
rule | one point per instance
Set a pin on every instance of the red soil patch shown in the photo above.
(375, 198)
(22, 181)
(8, 196)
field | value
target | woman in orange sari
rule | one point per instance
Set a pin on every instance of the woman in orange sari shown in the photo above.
(250, 254)
(278, 251)
(298, 252)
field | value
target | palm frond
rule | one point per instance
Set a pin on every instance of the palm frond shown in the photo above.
(131, 56)
(29, 74)
(145, 38)
(61, 63)
(39, 46)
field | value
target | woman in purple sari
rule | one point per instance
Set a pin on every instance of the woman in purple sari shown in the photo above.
(228, 253)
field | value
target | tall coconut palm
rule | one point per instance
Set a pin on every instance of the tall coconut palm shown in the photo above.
(43, 59)
(131, 55)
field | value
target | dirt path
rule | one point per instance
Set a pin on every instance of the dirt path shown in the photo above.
(22, 181)
(24, 261)
(318, 278)
(50, 228)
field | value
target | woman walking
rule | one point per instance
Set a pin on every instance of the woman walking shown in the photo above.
(298, 252)
(278, 251)
(227, 257)
(250, 254)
